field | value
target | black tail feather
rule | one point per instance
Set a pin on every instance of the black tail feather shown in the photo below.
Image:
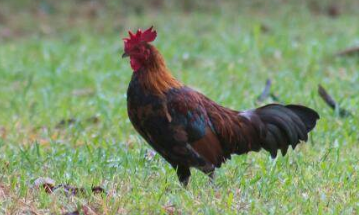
(285, 125)
(307, 115)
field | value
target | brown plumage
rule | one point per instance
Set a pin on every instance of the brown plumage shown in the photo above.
(160, 80)
(190, 130)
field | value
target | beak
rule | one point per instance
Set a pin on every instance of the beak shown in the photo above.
(125, 55)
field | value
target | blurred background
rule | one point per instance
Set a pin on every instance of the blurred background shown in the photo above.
(46, 45)
(21, 18)
(63, 112)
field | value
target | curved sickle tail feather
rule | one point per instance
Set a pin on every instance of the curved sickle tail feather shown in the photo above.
(281, 126)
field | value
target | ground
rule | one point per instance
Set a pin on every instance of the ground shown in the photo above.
(63, 109)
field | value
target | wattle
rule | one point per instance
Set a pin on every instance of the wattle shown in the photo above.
(135, 64)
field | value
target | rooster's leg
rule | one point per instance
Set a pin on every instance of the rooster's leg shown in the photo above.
(185, 157)
(183, 174)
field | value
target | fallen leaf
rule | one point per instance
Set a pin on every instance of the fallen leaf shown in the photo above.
(349, 51)
(97, 190)
(66, 122)
(47, 184)
(329, 100)
(266, 91)
(69, 190)
(71, 121)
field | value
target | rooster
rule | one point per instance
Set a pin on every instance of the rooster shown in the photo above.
(188, 129)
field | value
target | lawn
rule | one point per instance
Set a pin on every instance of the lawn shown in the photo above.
(63, 109)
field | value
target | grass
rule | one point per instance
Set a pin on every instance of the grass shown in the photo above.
(78, 74)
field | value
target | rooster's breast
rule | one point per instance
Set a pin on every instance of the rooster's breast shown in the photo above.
(147, 113)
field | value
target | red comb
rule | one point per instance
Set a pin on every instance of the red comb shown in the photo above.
(148, 35)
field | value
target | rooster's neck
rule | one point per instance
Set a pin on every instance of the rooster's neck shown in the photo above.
(155, 78)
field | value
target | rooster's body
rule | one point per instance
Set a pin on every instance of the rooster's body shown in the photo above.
(190, 130)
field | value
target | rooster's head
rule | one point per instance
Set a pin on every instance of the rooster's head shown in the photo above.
(137, 47)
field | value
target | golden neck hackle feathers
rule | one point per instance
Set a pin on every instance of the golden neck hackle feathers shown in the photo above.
(156, 78)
